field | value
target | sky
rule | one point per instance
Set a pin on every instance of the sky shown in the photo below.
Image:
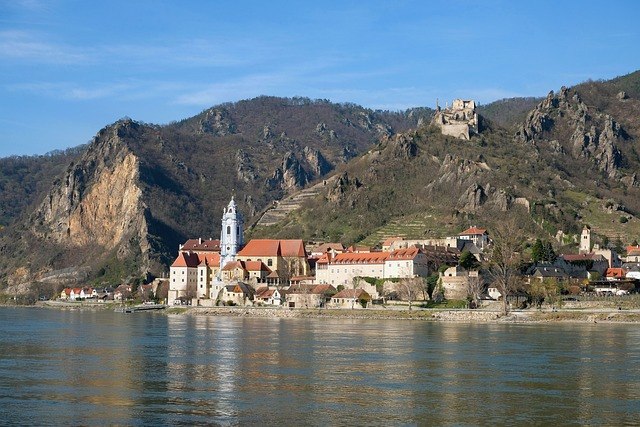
(70, 67)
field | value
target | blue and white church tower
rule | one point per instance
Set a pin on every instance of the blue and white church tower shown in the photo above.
(232, 234)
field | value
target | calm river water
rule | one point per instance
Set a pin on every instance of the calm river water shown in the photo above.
(100, 368)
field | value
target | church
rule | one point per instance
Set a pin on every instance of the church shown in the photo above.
(210, 271)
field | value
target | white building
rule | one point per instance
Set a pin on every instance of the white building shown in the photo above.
(343, 268)
(478, 236)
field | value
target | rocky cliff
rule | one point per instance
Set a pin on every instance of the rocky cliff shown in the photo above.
(563, 124)
(96, 207)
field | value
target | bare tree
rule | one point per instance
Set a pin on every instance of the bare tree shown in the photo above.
(411, 287)
(474, 290)
(505, 258)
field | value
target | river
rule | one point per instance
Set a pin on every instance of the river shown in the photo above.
(104, 368)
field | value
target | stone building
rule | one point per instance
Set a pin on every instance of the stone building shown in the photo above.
(460, 120)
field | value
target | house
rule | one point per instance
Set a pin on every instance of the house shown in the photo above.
(324, 248)
(615, 274)
(351, 298)
(237, 294)
(309, 296)
(234, 270)
(183, 276)
(585, 265)
(200, 246)
(208, 270)
(478, 236)
(633, 254)
(270, 296)
(285, 258)
(65, 294)
(389, 243)
(633, 272)
(611, 256)
(544, 271)
(455, 281)
(75, 294)
(257, 271)
(122, 293)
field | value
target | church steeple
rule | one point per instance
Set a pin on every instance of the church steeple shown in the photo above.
(232, 233)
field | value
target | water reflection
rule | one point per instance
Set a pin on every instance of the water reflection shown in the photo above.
(156, 369)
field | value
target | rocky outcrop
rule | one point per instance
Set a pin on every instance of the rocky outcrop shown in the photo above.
(244, 168)
(217, 122)
(318, 163)
(97, 206)
(343, 186)
(289, 176)
(403, 146)
(564, 120)
(295, 173)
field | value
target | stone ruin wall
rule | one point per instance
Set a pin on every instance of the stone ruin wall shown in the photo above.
(460, 120)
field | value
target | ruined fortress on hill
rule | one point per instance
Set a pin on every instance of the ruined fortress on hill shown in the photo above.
(460, 120)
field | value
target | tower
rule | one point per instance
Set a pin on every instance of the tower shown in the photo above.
(232, 233)
(585, 240)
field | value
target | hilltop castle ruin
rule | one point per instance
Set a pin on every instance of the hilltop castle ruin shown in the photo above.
(459, 121)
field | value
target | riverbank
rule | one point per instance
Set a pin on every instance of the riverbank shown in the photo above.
(592, 314)
(434, 315)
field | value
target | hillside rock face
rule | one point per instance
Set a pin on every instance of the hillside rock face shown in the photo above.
(217, 122)
(589, 135)
(96, 206)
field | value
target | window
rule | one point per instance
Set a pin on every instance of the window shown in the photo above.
(270, 262)
(228, 229)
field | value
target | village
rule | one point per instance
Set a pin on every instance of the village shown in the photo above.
(401, 271)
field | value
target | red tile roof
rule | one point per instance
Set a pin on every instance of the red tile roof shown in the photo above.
(473, 231)
(261, 247)
(404, 254)
(582, 257)
(323, 289)
(390, 240)
(293, 248)
(349, 293)
(211, 259)
(633, 250)
(354, 249)
(233, 265)
(272, 248)
(616, 272)
(324, 259)
(201, 245)
(361, 258)
(325, 247)
(256, 266)
(186, 259)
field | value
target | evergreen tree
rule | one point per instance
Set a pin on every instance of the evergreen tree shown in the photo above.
(467, 260)
(537, 251)
(549, 254)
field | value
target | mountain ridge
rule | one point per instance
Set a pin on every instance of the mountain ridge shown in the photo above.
(166, 183)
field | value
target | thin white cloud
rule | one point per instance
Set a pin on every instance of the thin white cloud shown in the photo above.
(25, 45)
(72, 91)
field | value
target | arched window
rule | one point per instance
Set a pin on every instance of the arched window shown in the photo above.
(228, 229)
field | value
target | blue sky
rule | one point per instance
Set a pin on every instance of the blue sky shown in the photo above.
(68, 68)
